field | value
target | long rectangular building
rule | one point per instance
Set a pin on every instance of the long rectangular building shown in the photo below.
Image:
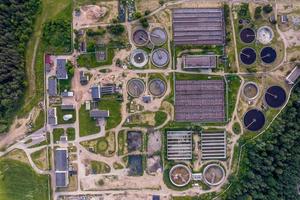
(198, 26)
(199, 100)
(179, 145)
(61, 167)
(199, 62)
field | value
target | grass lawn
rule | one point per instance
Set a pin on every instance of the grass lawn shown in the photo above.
(71, 134)
(50, 9)
(112, 104)
(236, 128)
(39, 121)
(234, 83)
(61, 113)
(160, 118)
(184, 76)
(19, 181)
(99, 167)
(87, 125)
(40, 159)
(121, 143)
(57, 133)
(88, 60)
(117, 165)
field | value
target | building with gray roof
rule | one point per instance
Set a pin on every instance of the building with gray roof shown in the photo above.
(96, 92)
(67, 107)
(198, 26)
(61, 179)
(52, 86)
(97, 114)
(61, 71)
(61, 167)
(293, 76)
(199, 62)
(108, 89)
(52, 117)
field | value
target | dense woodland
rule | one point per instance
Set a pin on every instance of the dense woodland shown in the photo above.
(57, 36)
(16, 24)
(270, 166)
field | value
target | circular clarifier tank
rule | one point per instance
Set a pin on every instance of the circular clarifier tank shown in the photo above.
(275, 96)
(268, 55)
(254, 120)
(160, 57)
(247, 35)
(251, 90)
(138, 58)
(248, 56)
(180, 175)
(135, 87)
(265, 34)
(157, 87)
(213, 174)
(158, 36)
(140, 37)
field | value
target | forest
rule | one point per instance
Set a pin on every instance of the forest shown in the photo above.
(57, 36)
(270, 164)
(16, 25)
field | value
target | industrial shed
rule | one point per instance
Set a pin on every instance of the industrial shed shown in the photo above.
(199, 101)
(179, 145)
(198, 26)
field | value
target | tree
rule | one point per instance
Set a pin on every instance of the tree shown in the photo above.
(144, 22)
(116, 29)
(257, 14)
(161, 2)
(147, 12)
(244, 12)
(17, 20)
(267, 9)
(137, 15)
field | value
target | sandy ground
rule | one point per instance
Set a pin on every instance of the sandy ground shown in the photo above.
(91, 15)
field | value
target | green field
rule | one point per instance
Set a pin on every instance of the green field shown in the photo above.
(112, 104)
(87, 125)
(57, 133)
(61, 113)
(234, 83)
(18, 181)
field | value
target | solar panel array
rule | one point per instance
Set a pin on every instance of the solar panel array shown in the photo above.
(213, 146)
(179, 145)
(198, 26)
(199, 100)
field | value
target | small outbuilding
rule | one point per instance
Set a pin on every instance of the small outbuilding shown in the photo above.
(293, 76)
(98, 114)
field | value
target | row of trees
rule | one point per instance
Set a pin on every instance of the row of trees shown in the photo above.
(16, 25)
(270, 166)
